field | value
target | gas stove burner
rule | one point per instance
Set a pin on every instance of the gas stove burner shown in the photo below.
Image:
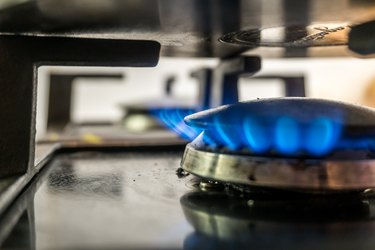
(290, 143)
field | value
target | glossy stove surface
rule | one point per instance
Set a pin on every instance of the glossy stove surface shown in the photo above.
(135, 200)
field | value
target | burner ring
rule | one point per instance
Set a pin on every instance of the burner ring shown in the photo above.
(308, 175)
(291, 37)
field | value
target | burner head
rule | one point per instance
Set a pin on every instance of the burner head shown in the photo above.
(297, 127)
(298, 143)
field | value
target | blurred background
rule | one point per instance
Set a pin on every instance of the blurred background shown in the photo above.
(102, 99)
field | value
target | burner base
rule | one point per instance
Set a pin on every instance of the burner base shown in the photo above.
(306, 175)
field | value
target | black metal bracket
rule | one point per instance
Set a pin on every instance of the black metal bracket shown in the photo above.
(226, 75)
(361, 38)
(219, 86)
(204, 77)
(293, 85)
(60, 95)
(20, 58)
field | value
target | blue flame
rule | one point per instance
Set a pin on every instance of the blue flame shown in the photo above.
(288, 136)
(209, 139)
(359, 143)
(283, 135)
(173, 119)
(226, 135)
(256, 135)
(321, 136)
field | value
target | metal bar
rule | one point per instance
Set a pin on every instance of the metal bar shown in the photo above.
(219, 86)
(362, 38)
(225, 78)
(204, 77)
(20, 57)
(293, 85)
(60, 93)
(296, 18)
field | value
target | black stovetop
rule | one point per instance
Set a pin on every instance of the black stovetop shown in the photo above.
(135, 200)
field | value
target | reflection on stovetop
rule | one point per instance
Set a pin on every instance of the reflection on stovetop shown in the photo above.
(135, 200)
(224, 221)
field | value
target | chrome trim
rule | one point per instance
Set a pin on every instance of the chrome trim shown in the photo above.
(316, 175)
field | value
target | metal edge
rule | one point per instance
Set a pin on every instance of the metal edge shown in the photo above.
(316, 175)
(43, 154)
